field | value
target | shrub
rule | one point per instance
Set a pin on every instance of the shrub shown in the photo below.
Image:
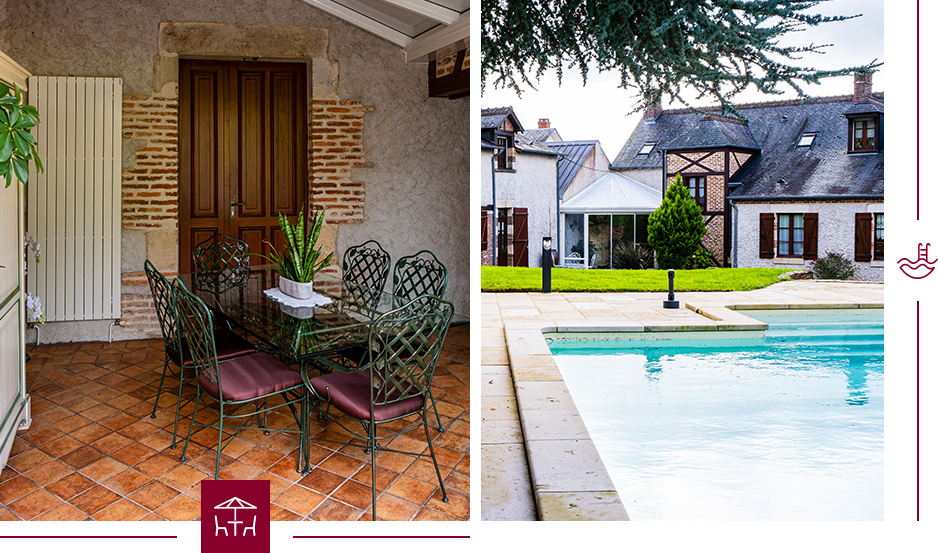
(629, 255)
(676, 228)
(702, 259)
(834, 266)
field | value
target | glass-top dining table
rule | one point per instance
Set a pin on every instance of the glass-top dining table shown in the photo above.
(299, 334)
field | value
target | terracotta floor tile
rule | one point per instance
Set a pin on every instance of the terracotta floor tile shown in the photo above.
(111, 443)
(412, 489)
(342, 464)
(7, 515)
(90, 433)
(277, 485)
(427, 514)
(463, 465)
(206, 462)
(138, 430)
(354, 493)
(128, 481)
(322, 481)
(63, 512)
(98, 412)
(81, 457)
(121, 510)
(261, 457)
(15, 488)
(383, 478)
(280, 514)
(286, 469)
(182, 478)
(300, 500)
(72, 423)
(94, 500)
(81, 403)
(181, 508)
(333, 510)
(458, 482)
(54, 415)
(34, 504)
(424, 470)
(239, 471)
(117, 421)
(42, 435)
(28, 460)
(157, 465)
(160, 440)
(152, 517)
(133, 453)
(398, 462)
(391, 507)
(48, 473)
(457, 506)
(61, 446)
(154, 495)
(71, 485)
(104, 468)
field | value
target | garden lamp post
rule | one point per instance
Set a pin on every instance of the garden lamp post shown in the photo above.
(546, 263)
(671, 303)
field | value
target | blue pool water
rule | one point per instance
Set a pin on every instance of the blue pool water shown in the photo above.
(785, 428)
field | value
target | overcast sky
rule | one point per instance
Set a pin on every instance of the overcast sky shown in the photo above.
(600, 110)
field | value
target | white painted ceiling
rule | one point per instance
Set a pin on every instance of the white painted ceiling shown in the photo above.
(419, 27)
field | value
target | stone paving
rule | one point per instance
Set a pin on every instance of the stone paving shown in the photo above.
(538, 462)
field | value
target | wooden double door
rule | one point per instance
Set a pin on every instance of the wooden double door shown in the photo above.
(242, 152)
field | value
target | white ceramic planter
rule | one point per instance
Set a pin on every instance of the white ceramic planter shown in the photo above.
(298, 290)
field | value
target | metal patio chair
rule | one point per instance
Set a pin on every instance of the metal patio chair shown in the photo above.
(418, 275)
(237, 383)
(366, 265)
(228, 343)
(403, 349)
(221, 262)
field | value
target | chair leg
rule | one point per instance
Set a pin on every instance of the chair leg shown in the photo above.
(221, 427)
(198, 396)
(159, 391)
(178, 405)
(435, 412)
(426, 429)
(374, 473)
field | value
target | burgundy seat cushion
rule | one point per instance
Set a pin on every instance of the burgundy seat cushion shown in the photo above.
(227, 345)
(350, 393)
(251, 376)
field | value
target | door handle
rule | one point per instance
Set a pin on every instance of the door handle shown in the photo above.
(233, 204)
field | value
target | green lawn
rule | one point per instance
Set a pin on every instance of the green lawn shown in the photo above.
(524, 279)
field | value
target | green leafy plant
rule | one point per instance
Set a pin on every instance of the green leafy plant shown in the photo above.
(629, 255)
(300, 260)
(701, 259)
(834, 266)
(676, 228)
(17, 145)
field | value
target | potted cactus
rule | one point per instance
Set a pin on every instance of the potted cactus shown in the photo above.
(300, 259)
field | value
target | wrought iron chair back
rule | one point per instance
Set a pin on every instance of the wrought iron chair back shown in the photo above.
(162, 293)
(418, 275)
(366, 265)
(404, 346)
(221, 262)
(196, 326)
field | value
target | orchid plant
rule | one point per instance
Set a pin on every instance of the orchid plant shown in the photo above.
(35, 313)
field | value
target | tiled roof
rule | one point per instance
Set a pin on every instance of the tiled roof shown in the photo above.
(780, 168)
(492, 118)
(534, 136)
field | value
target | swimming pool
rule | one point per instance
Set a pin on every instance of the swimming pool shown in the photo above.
(785, 428)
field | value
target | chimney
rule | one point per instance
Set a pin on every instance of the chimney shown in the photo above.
(543, 123)
(653, 106)
(862, 87)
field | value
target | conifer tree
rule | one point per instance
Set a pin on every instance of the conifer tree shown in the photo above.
(676, 228)
(661, 47)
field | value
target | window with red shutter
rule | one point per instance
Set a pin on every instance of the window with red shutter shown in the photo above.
(766, 235)
(863, 237)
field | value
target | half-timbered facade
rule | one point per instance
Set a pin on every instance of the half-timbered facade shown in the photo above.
(785, 184)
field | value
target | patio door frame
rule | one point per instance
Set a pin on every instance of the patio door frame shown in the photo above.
(231, 206)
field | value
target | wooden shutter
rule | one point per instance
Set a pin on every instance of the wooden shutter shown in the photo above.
(520, 237)
(766, 235)
(485, 230)
(863, 237)
(810, 236)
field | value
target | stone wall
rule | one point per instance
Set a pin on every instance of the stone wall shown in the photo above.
(372, 127)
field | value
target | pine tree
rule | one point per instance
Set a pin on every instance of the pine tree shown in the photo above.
(676, 228)
(661, 47)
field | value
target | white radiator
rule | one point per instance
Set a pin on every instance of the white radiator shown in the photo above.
(74, 208)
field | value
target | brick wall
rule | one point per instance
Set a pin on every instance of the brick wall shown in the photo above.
(335, 144)
(150, 189)
(487, 253)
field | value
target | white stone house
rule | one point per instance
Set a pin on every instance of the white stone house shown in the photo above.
(522, 177)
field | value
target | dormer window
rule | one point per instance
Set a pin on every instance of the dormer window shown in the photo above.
(807, 140)
(506, 156)
(863, 135)
(647, 148)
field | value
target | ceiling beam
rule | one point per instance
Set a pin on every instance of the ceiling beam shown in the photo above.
(437, 13)
(438, 38)
(367, 23)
